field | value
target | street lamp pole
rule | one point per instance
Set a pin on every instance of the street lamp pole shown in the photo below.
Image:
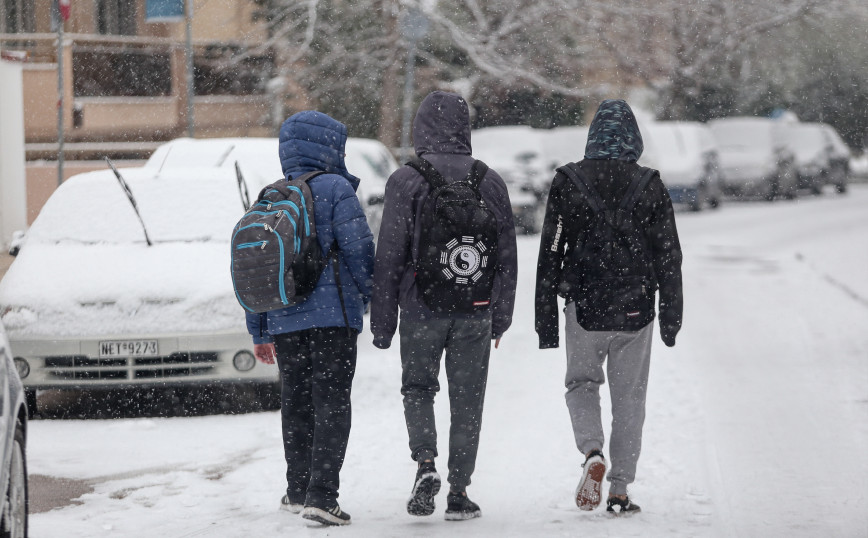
(414, 26)
(188, 20)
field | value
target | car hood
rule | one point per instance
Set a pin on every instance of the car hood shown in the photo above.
(78, 290)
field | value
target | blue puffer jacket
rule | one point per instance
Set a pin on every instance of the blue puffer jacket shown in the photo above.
(313, 141)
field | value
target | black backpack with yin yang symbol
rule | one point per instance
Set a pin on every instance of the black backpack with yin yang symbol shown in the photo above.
(456, 257)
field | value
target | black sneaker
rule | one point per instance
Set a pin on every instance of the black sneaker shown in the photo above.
(589, 491)
(289, 506)
(459, 507)
(326, 516)
(427, 485)
(621, 507)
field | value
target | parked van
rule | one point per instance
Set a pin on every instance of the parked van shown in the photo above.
(754, 158)
(686, 155)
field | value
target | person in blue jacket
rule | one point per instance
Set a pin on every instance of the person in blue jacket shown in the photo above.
(314, 342)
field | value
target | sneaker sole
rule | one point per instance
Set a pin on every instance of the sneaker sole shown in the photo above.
(462, 516)
(323, 517)
(589, 492)
(421, 503)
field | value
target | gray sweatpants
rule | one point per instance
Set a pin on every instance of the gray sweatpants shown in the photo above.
(467, 343)
(628, 356)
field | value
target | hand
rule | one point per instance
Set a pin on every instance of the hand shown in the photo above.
(497, 342)
(265, 353)
(668, 337)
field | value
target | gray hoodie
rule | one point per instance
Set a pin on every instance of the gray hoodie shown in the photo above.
(441, 134)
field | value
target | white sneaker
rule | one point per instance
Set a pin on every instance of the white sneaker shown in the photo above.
(331, 516)
(589, 493)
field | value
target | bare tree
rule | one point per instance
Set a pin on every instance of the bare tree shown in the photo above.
(702, 57)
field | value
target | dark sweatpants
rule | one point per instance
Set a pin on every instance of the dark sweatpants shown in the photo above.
(467, 343)
(317, 368)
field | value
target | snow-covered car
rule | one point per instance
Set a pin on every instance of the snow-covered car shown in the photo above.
(754, 160)
(811, 150)
(565, 145)
(13, 441)
(838, 173)
(100, 297)
(372, 162)
(518, 154)
(686, 155)
(259, 164)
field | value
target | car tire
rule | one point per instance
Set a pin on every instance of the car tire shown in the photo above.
(30, 402)
(15, 503)
(774, 189)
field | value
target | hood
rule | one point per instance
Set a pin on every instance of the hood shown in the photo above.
(614, 133)
(311, 140)
(442, 125)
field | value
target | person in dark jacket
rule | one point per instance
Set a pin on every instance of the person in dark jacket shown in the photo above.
(441, 135)
(614, 145)
(314, 342)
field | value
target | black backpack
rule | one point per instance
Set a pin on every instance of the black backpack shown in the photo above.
(276, 257)
(609, 272)
(457, 252)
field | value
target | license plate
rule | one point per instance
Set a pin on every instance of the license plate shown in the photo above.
(128, 348)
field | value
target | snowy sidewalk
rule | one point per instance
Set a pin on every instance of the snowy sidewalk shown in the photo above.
(757, 420)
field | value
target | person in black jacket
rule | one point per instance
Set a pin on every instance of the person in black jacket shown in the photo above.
(563, 268)
(441, 135)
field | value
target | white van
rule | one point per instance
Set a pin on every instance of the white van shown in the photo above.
(686, 155)
(754, 159)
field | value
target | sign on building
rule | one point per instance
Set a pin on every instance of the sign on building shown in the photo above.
(164, 10)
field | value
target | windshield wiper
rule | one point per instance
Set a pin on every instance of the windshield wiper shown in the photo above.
(242, 188)
(130, 197)
(223, 157)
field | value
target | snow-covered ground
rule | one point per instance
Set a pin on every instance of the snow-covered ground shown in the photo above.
(757, 421)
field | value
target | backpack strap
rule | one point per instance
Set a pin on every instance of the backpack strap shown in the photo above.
(477, 174)
(280, 185)
(436, 180)
(575, 174)
(634, 191)
(431, 175)
(307, 176)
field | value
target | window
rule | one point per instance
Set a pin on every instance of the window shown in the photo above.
(115, 17)
(17, 17)
(101, 72)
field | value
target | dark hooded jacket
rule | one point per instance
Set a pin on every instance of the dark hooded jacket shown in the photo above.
(310, 141)
(441, 134)
(614, 145)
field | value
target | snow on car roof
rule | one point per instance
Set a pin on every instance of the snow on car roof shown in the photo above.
(745, 134)
(259, 160)
(806, 141)
(516, 152)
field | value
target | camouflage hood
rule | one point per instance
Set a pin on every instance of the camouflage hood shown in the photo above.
(614, 133)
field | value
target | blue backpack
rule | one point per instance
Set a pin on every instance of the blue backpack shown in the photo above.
(276, 257)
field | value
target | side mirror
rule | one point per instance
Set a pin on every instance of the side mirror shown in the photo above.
(16, 243)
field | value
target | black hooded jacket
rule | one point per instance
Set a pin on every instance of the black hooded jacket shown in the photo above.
(441, 134)
(568, 215)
